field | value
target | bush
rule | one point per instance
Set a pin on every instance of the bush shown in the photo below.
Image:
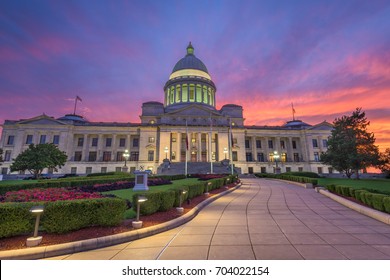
(359, 195)
(377, 202)
(303, 174)
(151, 205)
(386, 204)
(368, 198)
(61, 216)
(331, 188)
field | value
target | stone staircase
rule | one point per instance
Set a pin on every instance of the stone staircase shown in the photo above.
(175, 168)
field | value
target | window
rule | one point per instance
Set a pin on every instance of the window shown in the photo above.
(172, 95)
(324, 143)
(173, 139)
(150, 155)
(135, 142)
(296, 157)
(108, 142)
(95, 141)
(151, 139)
(88, 170)
(199, 93)
(173, 156)
(282, 144)
(80, 141)
(260, 157)
(270, 144)
(11, 139)
(319, 170)
(178, 93)
(106, 156)
(205, 95)
(4, 170)
(288, 169)
(77, 156)
(316, 157)
(42, 139)
(29, 139)
(330, 170)
(300, 169)
(122, 142)
(248, 156)
(192, 92)
(119, 156)
(56, 139)
(103, 170)
(258, 144)
(118, 169)
(247, 144)
(92, 156)
(283, 157)
(263, 170)
(315, 143)
(234, 141)
(184, 93)
(134, 156)
(73, 170)
(294, 144)
(234, 155)
(7, 156)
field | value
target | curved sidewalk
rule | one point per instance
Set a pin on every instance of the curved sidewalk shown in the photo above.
(264, 219)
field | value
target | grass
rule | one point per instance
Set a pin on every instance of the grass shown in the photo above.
(378, 185)
(128, 193)
(17, 182)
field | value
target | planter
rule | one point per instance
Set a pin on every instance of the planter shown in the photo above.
(136, 224)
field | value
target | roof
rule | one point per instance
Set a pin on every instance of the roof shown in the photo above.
(190, 61)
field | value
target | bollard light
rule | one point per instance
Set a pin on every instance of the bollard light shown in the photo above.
(208, 185)
(180, 209)
(137, 223)
(35, 240)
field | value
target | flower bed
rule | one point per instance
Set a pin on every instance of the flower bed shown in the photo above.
(50, 194)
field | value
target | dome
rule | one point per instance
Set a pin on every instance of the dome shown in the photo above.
(190, 65)
(190, 61)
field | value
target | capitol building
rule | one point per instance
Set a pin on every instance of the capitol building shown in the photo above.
(185, 134)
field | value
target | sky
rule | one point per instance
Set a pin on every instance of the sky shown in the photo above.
(326, 57)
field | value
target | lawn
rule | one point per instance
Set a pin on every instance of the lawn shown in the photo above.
(17, 182)
(380, 185)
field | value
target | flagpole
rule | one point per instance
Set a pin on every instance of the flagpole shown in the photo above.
(231, 146)
(211, 145)
(75, 103)
(186, 167)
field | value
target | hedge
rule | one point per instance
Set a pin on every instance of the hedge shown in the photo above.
(378, 202)
(386, 204)
(61, 216)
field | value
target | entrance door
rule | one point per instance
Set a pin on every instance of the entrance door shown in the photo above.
(250, 170)
(193, 156)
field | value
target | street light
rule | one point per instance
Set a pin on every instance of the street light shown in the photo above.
(126, 156)
(166, 152)
(35, 240)
(276, 157)
(225, 151)
(137, 223)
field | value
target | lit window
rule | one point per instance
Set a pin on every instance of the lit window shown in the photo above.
(151, 139)
(192, 92)
(178, 94)
(184, 93)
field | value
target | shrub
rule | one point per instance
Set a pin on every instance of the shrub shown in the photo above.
(368, 198)
(359, 195)
(386, 204)
(167, 200)
(345, 191)
(303, 174)
(331, 188)
(377, 201)
(15, 219)
(151, 205)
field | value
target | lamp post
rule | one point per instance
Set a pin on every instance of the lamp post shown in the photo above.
(180, 209)
(35, 240)
(166, 152)
(208, 185)
(137, 223)
(276, 157)
(126, 156)
(225, 151)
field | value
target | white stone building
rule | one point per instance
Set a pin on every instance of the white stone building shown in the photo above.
(188, 109)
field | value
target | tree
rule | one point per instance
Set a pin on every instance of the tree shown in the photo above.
(350, 146)
(385, 162)
(38, 157)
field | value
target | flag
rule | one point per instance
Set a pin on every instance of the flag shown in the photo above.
(78, 98)
(292, 106)
(231, 137)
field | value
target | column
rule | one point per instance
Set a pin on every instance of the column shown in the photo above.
(85, 146)
(266, 150)
(99, 152)
(290, 151)
(114, 147)
(254, 149)
(178, 146)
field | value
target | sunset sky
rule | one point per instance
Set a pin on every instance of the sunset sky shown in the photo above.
(327, 57)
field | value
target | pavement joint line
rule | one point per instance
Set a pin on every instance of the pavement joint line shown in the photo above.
(247, 222)
(169, 243)
(42, 252)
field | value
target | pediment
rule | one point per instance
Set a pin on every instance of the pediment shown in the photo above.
(42, 120)
(322, 126)
(194, 110)
(150, 146)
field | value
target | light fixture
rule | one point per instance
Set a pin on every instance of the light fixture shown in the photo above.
(137, 223)
(36, 210)
(180, 209)
(126, 156)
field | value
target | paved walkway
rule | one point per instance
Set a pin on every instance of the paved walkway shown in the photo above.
(264, 219)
